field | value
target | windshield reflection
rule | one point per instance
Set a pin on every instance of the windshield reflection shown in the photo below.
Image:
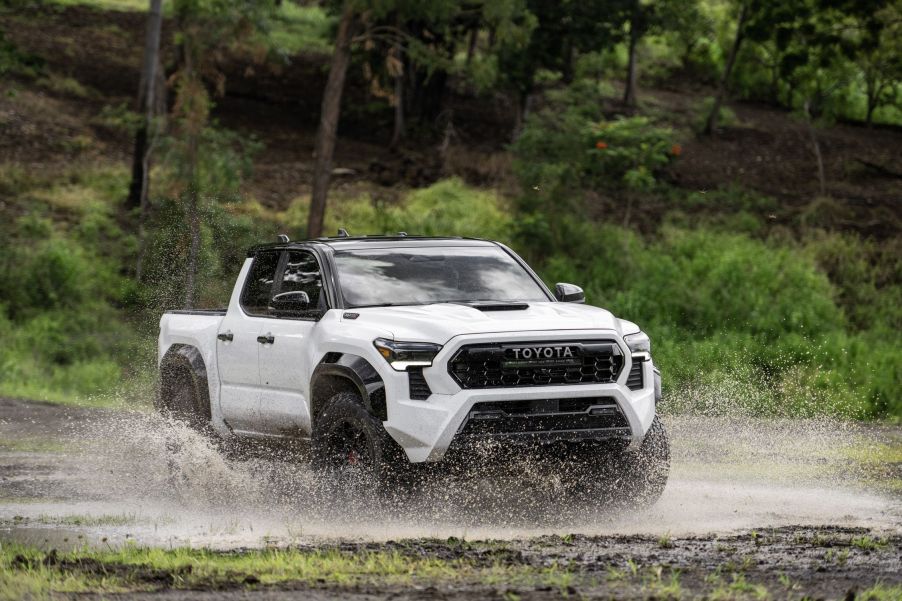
(411, 276)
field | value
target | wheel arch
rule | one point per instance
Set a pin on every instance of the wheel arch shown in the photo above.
(184, 361)
(339, 372)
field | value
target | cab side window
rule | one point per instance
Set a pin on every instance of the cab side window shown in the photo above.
(302, 273)
(258, 289)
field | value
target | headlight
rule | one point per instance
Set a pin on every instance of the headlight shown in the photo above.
(401, 355)
(638, 342)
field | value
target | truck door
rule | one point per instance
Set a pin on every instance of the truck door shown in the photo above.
(238, 347)
(285, 361)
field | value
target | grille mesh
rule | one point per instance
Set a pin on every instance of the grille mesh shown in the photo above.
(494, 365)
(543, 416)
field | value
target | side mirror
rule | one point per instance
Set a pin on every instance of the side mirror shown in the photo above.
(569, 293)
(290, 302)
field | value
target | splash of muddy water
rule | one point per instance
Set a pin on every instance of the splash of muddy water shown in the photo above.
(120, 480)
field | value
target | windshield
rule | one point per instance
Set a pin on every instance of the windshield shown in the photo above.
(414, 276)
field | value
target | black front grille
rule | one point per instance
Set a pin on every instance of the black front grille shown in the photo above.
(543, 416)
(419, 388)
(536, 364)
(635, 381)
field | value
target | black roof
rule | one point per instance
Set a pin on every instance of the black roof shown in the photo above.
(376, 241)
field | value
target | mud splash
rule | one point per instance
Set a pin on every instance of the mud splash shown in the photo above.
(130, 476)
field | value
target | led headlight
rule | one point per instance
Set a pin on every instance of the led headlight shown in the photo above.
(638, 343)
(401, 355)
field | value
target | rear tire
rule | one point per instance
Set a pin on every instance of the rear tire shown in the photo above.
(353, 450)
(183, 394)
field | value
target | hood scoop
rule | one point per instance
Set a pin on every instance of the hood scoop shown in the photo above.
(495, 306)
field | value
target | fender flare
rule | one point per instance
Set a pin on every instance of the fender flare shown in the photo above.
(188, 358)
(358, 374)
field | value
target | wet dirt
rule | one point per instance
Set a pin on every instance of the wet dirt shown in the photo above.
(779, 500)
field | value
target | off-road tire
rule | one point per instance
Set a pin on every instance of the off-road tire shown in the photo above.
(637, 478)
(351, 448)
(183, 395)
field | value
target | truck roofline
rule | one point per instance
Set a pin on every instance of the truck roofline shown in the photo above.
(347, 242)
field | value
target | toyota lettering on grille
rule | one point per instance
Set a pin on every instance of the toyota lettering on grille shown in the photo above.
(541, 356)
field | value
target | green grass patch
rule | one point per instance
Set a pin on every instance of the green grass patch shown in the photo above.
(121, 5)
(38, 573)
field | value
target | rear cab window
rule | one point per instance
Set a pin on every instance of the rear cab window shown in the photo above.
(258, 288)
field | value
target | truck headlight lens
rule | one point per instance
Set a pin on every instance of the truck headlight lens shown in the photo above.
(638, 342)
(401, 355)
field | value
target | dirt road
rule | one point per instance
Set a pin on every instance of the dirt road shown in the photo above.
(754, 507)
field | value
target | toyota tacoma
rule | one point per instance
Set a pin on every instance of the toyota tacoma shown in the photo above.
(388, 352)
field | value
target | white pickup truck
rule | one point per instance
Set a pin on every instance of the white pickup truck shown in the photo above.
(389, 351)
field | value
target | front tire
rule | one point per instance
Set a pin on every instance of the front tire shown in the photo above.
(353, 450)
(638, 478)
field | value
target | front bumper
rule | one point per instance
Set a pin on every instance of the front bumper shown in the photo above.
(426, 429)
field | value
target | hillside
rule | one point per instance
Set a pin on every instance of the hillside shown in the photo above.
(720, 203)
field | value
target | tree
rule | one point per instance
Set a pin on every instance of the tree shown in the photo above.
(416, 42)
(878, 52)
(738, 37)
(205, 29)
(137, 192)
(328, 121)
(148, 89)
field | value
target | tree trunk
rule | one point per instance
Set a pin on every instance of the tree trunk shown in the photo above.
(159, 104)
(192, 135)
(137, 190)
(328, 123)
(471, 45)
(398, 131)
(632, 73)
(711, 122)
(821, 175)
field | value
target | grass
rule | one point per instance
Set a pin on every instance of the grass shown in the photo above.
(27, 571)
(293, 29)
(868, 543)
(122, 5)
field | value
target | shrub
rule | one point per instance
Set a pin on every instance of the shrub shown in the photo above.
(447, 208)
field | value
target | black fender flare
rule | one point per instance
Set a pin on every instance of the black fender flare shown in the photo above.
(187, 358)
(338, 372)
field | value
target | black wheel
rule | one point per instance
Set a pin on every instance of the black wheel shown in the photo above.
(183, 394)
(352, 448)
(637, 478)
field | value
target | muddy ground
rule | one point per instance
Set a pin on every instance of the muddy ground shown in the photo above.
(784, 508)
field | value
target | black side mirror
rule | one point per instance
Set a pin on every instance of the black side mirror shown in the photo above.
(569, 293)
(290, 302)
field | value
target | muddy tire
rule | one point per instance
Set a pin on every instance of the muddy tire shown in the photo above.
(637, 478)
(183, 394)
(353, 451)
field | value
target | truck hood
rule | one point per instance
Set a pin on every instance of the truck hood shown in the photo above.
(440, 322)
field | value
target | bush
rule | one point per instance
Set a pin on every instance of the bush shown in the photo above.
(738, 324)
(447, 208)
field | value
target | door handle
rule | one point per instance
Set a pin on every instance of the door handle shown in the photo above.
(226, 336)
(267, 339)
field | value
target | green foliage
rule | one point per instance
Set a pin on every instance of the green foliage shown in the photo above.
(301, 29)
(447, 208)
(568, 147)
(740, 323)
